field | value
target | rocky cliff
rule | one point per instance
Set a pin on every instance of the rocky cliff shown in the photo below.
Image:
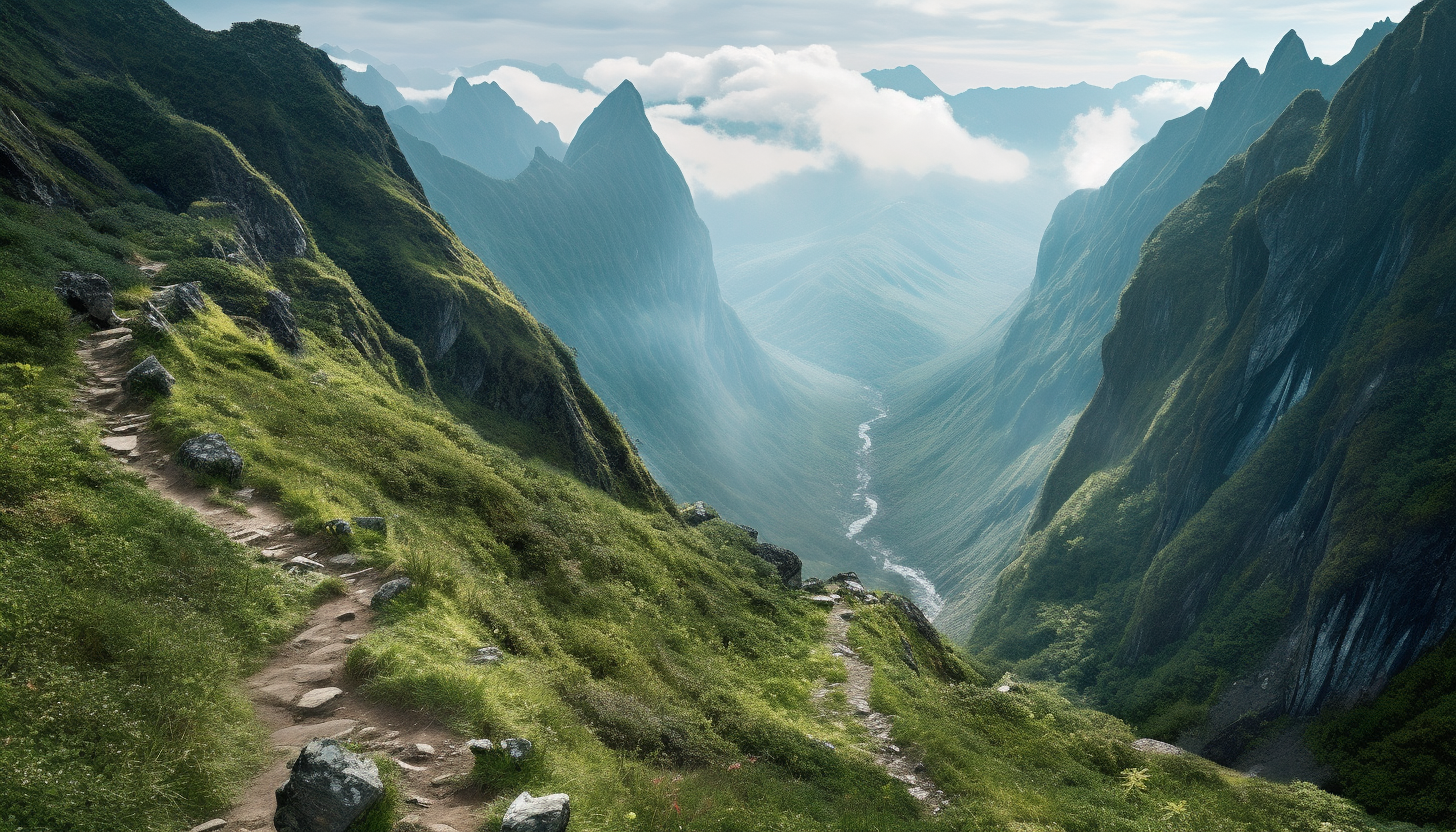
(1252, 519)
(975, 434)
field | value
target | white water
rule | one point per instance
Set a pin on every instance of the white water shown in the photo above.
(921, 586)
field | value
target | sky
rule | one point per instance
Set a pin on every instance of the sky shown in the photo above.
(958, 43)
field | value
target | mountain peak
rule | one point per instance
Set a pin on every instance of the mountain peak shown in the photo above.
(908, 79)
(621, 113)
(1289, 53)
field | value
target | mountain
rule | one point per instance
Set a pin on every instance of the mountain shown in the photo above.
(606, 248)
(481, 126)
(907, 79)
(881, 292)
(1252, 520)
(551, 74)
(371, 87)
(972, 436)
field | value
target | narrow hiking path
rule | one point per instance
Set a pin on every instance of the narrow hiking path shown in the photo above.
(309, 668)
(889, 756)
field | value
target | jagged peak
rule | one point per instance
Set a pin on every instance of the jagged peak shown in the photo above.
(621, 113)
(1290, 52)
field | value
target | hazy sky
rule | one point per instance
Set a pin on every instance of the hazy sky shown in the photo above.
(959, 43)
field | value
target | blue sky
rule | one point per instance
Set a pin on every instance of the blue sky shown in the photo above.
(959, 43)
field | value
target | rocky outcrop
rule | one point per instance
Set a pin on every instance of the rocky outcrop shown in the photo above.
(211, 455)
(788, 565)
(549, 813)
(89, 294)
(277, 318)
(329, 789)
(698, 513)
(269, 229)
(149, 377)
(389, 592)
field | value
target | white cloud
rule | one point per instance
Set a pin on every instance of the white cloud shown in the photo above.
(415, 96)
(795, 110)
(1101, 143)
(564, 107)
(354, 65)
(1180, 94)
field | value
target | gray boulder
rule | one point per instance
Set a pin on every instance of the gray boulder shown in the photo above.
(373, 524)
(517, 749)
(338, 527)
(698, 513)
(549, 813)
(278, 319)
(149, 377)
(89, 294)
(179, 301)
(210, 454)
(329, 789)
(787, 563)
(387, 593)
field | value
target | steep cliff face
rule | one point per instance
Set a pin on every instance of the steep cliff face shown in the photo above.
(227, 106)
(1253, 517)
(987, 424)
(481, 126)
(606, 247)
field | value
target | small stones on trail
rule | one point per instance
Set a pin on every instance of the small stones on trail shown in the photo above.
(822, 600)
(329, 789)
(300, 563)
(345, 616)
(210, 454)
(345, 560)
(209, 826)
(149, 377)
(419, 751)
(388, 592)
(549, 813)
(408, 767)
(119, 444)
(295, 735)
(848, 615)
(309, 674)
(418, 800)
(318, 698)
(487, 655)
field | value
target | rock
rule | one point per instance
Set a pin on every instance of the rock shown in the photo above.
(119, 444)
(917, 618)
(549, 813)
(787, 563)
(89, 294)
(844, 576)
(751, 531)
(1152, 746)
(487, 655)
(373, 524)
(209, 826)
(312, 674)
(480, 747)
(420, 751)
(300, 734)
(822, 600)
(811, 584)
(329, 789)
(517, 749)
(277, 318)
(338, 527)
(697, 514)
(345, 616)
(299, 562)
(211, 455)
(318, 698)
(418, 800)
(849, 615)
(344, 560)
(440, 827)
(387, 593)
(909, 655)
(179, 301)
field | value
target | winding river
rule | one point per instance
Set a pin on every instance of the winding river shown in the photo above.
(921, 587)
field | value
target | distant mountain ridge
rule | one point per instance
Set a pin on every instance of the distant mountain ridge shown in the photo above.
(483, 127)
(974, 436)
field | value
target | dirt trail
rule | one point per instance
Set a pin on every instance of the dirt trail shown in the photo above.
(892, 758)
(313, 661)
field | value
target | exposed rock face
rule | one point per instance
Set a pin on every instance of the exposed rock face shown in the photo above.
(329, 789)
(787, 563)
(269, 228)
(278, 318)
(917, 618)
(211, 455)
(338, 527)
(1233, 477)
(179, 301)
(549, 813)
(372, 524)
(387, 593)
(89, 294)
(698, 513)
(149, 377)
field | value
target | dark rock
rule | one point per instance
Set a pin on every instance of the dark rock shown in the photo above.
(917, 618)
(844, 576)
(751, 531)
(517, 749)
(386, 593)
(787, 563)
(329, 789)
(812, 584)
(549, 813)
(909, 655)
(211, 455)
(698, 513)
(89, 294)
(278, 318)
(178, 301)
(373, 524)
(338, 527)
(149, 377)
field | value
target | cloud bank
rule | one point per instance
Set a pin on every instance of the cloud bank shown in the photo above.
(1102, 141)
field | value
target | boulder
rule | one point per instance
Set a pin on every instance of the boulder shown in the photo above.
(697, 514)
(329, 789)
(812, 584)
(549, 813)
(178, 301)
(517, 749)
(338, 527)
(318, 698)
(149, 377)
(480, 747)
(278, 319)
(89, 294)
(842, 577)
(787, 563)
(373, 524)
(211, 455)
(386, 593)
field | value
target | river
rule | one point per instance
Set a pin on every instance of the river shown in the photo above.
(922, 589)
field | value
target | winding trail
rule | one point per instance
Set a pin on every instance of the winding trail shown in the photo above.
(313, 660)
(896, 761)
